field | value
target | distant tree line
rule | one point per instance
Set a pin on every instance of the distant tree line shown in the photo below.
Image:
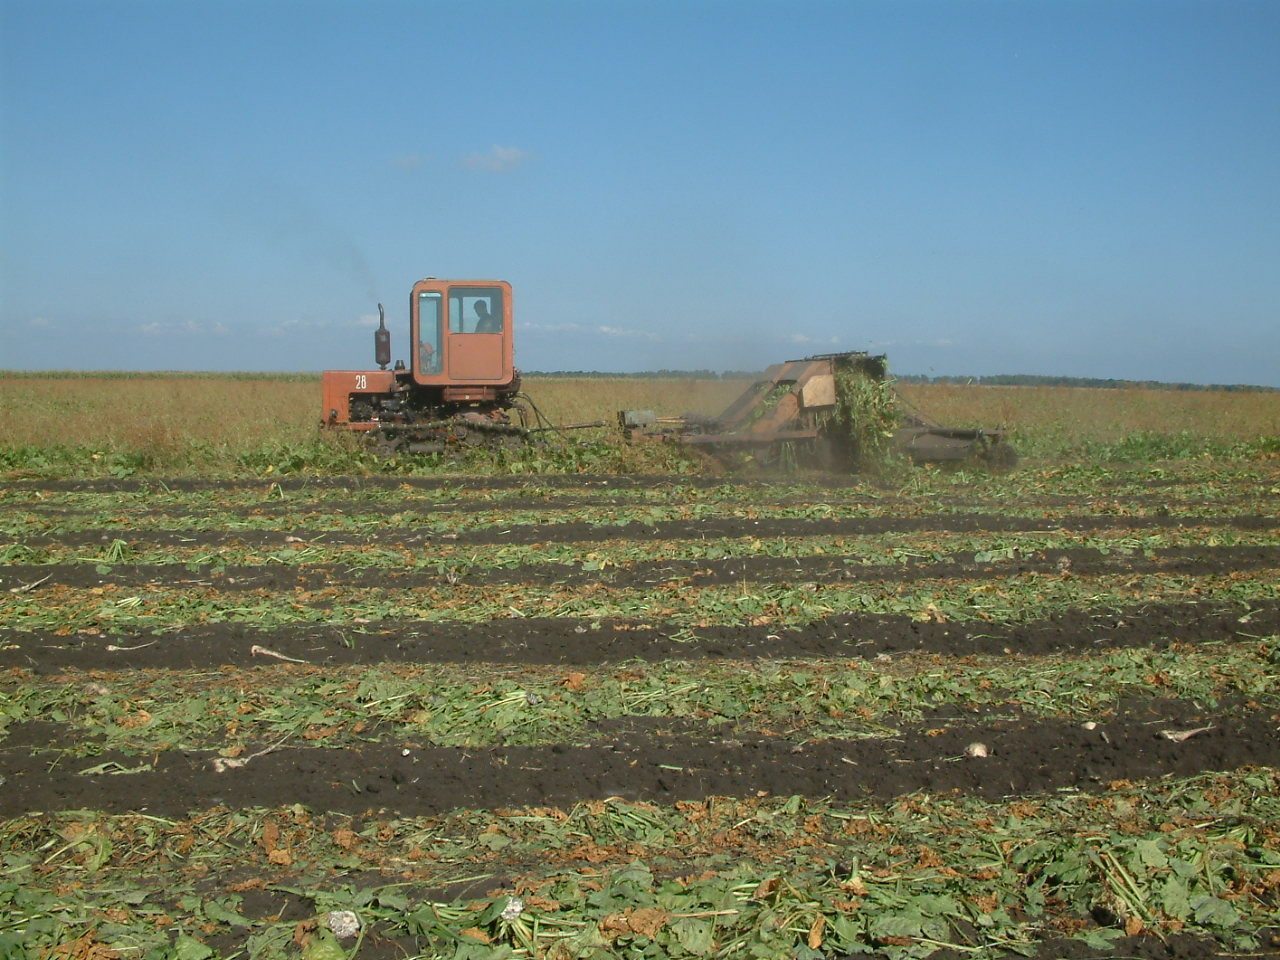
(997, 380)
(157, 375)
(646, 374)
(1033, 380)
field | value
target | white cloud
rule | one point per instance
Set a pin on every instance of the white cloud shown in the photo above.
(199, 327)
(408, 161)
(615, 332)
(295, 326)
(496, 160)
(39, 322)
(551, 328)
(624, 332)
(886, 344)
(805, 338)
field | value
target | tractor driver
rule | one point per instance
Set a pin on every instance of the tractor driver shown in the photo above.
(488, 322)
(427, 358)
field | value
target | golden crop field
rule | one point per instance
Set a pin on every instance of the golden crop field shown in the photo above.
(181, 422)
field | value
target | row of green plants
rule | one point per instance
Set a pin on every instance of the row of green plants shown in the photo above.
(785, 876)
(447, 557)
(316, 518)
(1013, 597)
(338, 455)
(449, 705)
(1086, 479)
(1109, 486)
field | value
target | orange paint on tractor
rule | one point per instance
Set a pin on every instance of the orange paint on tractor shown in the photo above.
(337, 388)
(461, 376)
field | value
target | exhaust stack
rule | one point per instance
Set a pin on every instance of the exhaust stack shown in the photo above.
(382, 341)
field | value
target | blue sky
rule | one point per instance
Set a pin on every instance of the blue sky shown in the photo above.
(970, 186)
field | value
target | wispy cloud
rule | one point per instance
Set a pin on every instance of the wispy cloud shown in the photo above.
(294, 326)
(624, 332)
(886, 344)
(717, 335)
(806, 339)
(495, 160)
(408, 161)
(182, 327)
(582, 328)
(284, 328)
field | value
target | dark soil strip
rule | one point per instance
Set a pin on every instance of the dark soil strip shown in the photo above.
(1198, 561)
(1026, 757)
(573, 642)
(714, 529)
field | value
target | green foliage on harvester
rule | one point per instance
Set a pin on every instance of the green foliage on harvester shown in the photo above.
(866, 412)
(766, 406)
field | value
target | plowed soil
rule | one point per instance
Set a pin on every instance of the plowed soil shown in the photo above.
(572, 642)
(49, 764)
(658, 762)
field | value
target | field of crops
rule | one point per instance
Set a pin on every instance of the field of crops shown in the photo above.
(521, 713)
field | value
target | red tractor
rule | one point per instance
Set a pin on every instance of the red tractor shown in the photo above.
(461, 386)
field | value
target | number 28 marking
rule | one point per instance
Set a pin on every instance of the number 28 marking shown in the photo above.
(362, 381)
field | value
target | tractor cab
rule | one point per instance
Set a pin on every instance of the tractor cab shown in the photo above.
(460, 333)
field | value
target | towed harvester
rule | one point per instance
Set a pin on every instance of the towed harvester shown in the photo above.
(834, 411)
(461, 388)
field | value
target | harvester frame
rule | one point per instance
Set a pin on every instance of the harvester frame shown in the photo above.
(802, 410)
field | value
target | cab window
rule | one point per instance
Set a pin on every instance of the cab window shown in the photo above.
(429, 317)
(475, 310)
